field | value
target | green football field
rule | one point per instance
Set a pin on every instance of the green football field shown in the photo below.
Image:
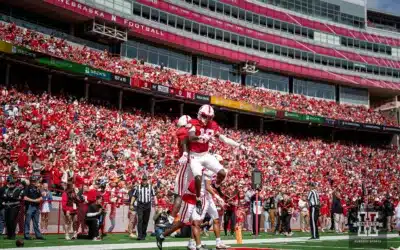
(263, 241)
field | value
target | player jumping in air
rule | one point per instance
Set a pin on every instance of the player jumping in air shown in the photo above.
(201, 131)
(181, 180)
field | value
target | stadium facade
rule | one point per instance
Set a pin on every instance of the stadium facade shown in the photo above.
(334, 49)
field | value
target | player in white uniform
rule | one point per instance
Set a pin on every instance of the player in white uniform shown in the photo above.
(201, 131)
(189, 215)
(211, 209)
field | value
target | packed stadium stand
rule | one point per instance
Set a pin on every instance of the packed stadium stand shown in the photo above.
(320, 60)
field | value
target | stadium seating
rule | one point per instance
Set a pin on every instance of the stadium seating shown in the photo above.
(131, 67)
(93, 142)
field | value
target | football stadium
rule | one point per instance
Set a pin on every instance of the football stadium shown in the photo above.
(199, 124)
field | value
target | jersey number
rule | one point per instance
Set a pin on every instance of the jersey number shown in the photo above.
(208, 132)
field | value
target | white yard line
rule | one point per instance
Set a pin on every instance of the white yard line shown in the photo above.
(168, 244)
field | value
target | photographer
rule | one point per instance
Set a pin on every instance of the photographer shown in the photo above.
(160, 219)
(93, 218)
(206, 225)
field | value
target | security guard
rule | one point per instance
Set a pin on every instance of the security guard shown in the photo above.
(32, 198)
(12, 203)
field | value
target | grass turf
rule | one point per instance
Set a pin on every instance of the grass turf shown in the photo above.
(58, 240)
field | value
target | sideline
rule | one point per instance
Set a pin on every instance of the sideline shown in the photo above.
(168, 244)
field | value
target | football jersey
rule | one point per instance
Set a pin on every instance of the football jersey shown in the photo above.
(211, 129)
(181, 134)
(190, 197)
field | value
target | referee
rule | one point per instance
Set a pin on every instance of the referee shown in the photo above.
(143, 194)
(314, 204)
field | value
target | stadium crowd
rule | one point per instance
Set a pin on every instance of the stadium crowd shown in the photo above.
(72, 142)
(213, 87)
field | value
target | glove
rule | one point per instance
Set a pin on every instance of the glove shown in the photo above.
(243, 147)
(219, 200)
(184, 158)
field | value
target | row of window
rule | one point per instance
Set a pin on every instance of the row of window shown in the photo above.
(255, 44)
(290, 28)
(268, 81)
(157, 56)
(119, 5)
(225, 71)
(354, 96)
(314, 89)
(319, 9)
(217, 70)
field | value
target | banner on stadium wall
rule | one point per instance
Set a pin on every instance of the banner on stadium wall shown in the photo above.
(314, 119)
(23, 51)
(181, 93)
(329, 122)
(202, 98)
(372, 127)
(216, 100)
(5, 47)
(349, 124)
(391, 129)
(62, 64)
(120, 79)
(136, 82)
(97, 73)
(294, 116)
(160, 88)
(269, 112)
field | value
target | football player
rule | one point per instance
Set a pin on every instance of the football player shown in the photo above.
(189, 214)
(182, 177)
(201, 131)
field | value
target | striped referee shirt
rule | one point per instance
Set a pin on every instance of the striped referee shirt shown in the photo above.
(144, 194)
(313, 198)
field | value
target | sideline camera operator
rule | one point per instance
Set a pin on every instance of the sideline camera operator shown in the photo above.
(12, 202)
(160, 220)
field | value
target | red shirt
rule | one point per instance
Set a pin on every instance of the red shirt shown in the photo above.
(181, 134)
(23, 160)
(210, 129)
(91, 195)
(285, 206)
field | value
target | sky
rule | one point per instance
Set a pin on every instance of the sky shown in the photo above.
(391, 6)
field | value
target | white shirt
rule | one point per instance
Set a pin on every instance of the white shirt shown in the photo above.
(397, 212)
(303, 205)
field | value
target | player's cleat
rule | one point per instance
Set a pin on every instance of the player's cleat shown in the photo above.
(160, 238)
(201, 248)
(199, 207)
(222, 246)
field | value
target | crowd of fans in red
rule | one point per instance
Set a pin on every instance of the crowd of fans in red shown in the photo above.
(60, 139)
(213, 87)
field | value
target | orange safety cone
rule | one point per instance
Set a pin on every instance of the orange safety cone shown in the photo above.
(238, 233)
